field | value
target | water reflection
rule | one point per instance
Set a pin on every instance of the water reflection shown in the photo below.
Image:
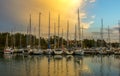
(58, 65)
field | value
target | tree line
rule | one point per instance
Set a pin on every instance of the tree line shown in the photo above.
(20, 40)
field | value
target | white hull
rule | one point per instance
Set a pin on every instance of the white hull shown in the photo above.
(69, 52)
(37, 51)
(103, 53)
(79, 52)
(117, 53)
(58, 52)
(48, 52)
(28, 51)
(21, 50)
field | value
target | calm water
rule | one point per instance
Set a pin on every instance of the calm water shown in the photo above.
(19, 65)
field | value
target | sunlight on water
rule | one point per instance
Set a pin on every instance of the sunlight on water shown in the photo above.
(20, 65)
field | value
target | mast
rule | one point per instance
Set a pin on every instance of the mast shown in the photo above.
(34, 36)
(30, 31)
(58, 28)
(6, 41)
(109, 37)
(62, 38)
(67, 34)
(79, 31)
(14, 40)
(27, 36)
(75, 36)
(39, 45)
(20, 41)
(82, 38)
(119, 32)
(54, 36)
(101, 32)
(49, 32)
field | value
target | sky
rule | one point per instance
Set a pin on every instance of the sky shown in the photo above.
(15, 14)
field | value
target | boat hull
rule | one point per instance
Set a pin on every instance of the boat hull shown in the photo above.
(78, 52)
(58, 52)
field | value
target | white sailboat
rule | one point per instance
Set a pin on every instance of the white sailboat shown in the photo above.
(28, 50)
(49, 50)
(29, 47)
(101, 49)
(68, 51)
(7, 49)
(20, 50)
(58, 51)
(79, 51)
(109, 49)
(14, 40)
(117, 52)
(34, 49)
(38, 51)
(27, 36)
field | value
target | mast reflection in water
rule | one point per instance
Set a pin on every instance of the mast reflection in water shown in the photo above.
(20, 65)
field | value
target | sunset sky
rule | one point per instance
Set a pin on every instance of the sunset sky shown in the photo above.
(15, 14)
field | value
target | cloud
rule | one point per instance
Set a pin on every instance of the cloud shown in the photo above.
(93, 17)
(83, 15)
(115, 29)
(87, 25)
(92, 1)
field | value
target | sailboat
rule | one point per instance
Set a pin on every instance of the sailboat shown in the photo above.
(68, 51)
(54, 37)
(117, 51)
(27, 36)
(34, 49)
(7, 49)
(79, 51)
(49, 50)
(58, 51)
(101, 49)
(109, 49)
(14, 40)
(20, 50)
(28, 50)
(38, 51)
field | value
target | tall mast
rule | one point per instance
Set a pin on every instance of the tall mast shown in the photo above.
(75, 36)
(58, 28)
(14, 39)
(39, 45)
(67, 34)
(82, 37)
(6, 41)
(49, 32)
(109, 37)
(79, 29)
(30, 31)
(27, 36)
(20, 41)
(34, 36)
(119, 32)
(62, 39)
(82, 32)
(54, 36)
(101, 32)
